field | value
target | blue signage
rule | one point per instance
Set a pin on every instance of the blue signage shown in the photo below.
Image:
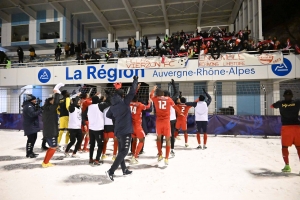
(282, 69)
(44, 75)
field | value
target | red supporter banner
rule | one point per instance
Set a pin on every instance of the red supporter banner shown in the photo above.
(240, 59)
(153, 62)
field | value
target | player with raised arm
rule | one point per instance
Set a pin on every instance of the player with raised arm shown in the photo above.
(85, 102)
(138, 132)
(162, 106)
(201, 116)
(290, 130)
(181, 122)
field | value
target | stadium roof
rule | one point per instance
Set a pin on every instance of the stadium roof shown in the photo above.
(111, 15)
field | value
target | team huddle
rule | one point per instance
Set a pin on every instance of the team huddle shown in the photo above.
(95, 119)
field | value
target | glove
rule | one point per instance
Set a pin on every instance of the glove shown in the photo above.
(118, 85)
(203, 90)
(135, 78)
(172, 82)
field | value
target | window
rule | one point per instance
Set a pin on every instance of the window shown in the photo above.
(19, 33)
(49, 30)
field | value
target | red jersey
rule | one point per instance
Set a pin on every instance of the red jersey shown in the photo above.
(162, 106)
(136, 111)
(183, 109)
(85, 103)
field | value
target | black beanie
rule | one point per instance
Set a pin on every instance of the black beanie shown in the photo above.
(95, 99)
(201, 97)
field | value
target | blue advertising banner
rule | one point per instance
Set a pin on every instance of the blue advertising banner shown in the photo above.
(218, 124)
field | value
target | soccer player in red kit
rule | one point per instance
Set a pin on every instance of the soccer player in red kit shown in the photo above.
(181, 122)
(85, 102)
(162, 106)
(138, 132)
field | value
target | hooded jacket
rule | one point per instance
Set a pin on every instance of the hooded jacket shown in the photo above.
(30, 118)
(50, 119)
(120, 113)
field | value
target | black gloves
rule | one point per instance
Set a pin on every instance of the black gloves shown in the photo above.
(135, 78)
(172, 82)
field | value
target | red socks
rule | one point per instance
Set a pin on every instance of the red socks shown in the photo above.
(285, 155)
(168, 151)
(198, 138)
(205, 138)
(50, 152)
(298, 151)
(138, 149)
(86, 142)
(175, 134)
(104, 147)
(186, 137)
(115, 147)
(158, 144)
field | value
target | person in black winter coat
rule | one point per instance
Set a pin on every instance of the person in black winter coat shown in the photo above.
(50, 126)
(57, 53)
(31, 125)
(120, 113)
(116, 45)
(20, 54)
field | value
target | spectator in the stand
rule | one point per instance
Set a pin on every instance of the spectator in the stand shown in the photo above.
(146, 42)
(141, 52)
(84, 46)
(129, 43)
(77, 51)
(31, 53)
(57, 53)
(116, 45)
(20, 54)
(158, 41)
(133, 52)
(215, 51)
(95, 56)
(133, 42)
(72, 49)
(67, 49)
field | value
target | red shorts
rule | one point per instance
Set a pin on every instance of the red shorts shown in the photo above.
(180, 124)
(109, 135)
(290, 134)
(87, 126)
(163, 128)
(138, 132)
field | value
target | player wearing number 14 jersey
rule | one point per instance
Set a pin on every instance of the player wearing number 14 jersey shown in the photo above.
(162, 106)
(138, 132)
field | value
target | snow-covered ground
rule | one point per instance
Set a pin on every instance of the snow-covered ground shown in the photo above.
(231, 168)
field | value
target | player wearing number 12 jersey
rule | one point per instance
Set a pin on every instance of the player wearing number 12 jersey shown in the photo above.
(162, 106)
(181, 122)
(138, 132)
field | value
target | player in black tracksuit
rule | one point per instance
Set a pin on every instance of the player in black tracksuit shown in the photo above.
(120, 113)
(290, 130)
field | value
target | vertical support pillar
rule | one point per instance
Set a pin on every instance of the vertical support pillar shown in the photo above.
(109, 38)
(167, 32)
(259, 10)
(231, 27)
(254, 3)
